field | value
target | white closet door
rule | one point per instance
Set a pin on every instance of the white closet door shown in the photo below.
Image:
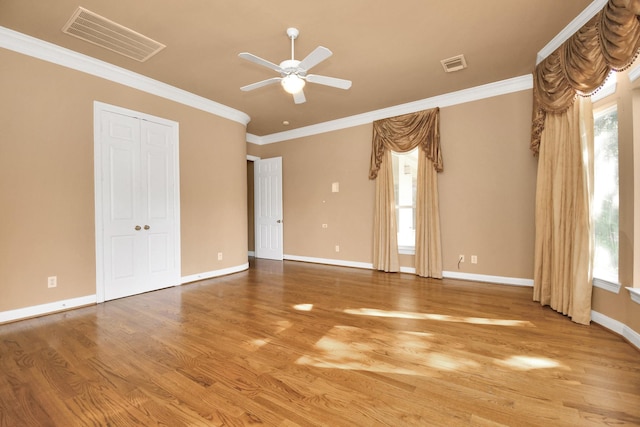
(157, 200)
(138, 206)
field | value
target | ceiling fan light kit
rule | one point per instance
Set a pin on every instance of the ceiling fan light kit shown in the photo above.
(293, 73)
(292, 84)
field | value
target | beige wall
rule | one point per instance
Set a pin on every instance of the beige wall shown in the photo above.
(310, 165)
(486, 190)
(46, 181)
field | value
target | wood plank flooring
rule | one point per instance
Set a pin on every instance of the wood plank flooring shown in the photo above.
(290, 343)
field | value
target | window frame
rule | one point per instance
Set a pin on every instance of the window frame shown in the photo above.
(405, 249)
(607, 102)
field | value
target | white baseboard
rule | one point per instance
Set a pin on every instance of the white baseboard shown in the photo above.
(329, 261)
(515, 281)
(618, 327)
(447, 274)
(214, 273)
(251, 253)
(42, 309)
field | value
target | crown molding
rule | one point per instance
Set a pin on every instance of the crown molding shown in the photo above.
(502, 87)
(254, 139)
(584, 17)
(31, 46)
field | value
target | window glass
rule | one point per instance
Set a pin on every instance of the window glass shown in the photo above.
(405, 177)
(605, 195)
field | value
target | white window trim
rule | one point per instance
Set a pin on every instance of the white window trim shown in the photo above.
(407, 250)
(635, 294)
(607, 285)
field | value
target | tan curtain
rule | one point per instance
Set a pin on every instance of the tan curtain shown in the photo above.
(385, 237)
(562, 135)
(428, 247)
(402, 134)
(562, 273)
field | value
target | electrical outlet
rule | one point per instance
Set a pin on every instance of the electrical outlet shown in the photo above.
(219, 256)
(52, 281)
(460, 258)
(325, 225)
(474, 259)
(337, 248)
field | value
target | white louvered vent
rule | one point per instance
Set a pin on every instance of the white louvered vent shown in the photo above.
(454, 63)
(105, 33)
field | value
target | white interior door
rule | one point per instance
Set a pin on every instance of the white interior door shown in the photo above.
(159, 205)
(268, 208)
(137, 221)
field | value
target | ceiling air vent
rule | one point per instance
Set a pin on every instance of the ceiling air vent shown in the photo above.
(454, 64)
(102, 32)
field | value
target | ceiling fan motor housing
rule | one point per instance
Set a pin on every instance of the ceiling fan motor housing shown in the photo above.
(290, 66)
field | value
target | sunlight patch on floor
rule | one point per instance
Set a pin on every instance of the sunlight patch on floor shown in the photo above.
(303, 307)
(439, 317)
(257, 343)
(278, 327)
(351, 348)
(282, 325)
(527, 363)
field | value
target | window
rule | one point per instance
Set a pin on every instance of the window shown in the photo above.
(605, 195)
(405, 177)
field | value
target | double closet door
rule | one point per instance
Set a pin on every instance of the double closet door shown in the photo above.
(138, 221)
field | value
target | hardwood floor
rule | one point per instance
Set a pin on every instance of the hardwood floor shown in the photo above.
(301, 344)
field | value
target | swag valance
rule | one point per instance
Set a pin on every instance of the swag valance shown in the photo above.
(609, 41)
(404, 133)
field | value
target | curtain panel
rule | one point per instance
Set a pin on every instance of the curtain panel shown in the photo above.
(562, 137)
(402, 134)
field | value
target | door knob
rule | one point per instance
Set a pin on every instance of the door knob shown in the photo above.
(138, 228)
(146, 227)
(279, 221)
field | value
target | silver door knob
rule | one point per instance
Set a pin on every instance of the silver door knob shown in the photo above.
(138, 228)
(146, 227)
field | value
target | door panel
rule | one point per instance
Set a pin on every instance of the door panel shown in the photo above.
(124, 250)
(268, 208)
(122, 256)
(159, 213)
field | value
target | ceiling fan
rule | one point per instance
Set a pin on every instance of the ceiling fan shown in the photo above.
(293, 73)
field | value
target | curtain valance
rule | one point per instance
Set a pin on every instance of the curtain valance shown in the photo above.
(609, 41)
(404, 133)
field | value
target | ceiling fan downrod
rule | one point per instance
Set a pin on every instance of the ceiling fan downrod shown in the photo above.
(293, 34)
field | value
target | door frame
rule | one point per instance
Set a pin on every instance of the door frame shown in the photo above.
(98, 108)
(256, 188)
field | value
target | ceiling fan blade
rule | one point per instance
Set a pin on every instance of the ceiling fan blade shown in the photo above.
(257, 60)
(314, 58)
(299, 98)
(260, 84)
(329, 81)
